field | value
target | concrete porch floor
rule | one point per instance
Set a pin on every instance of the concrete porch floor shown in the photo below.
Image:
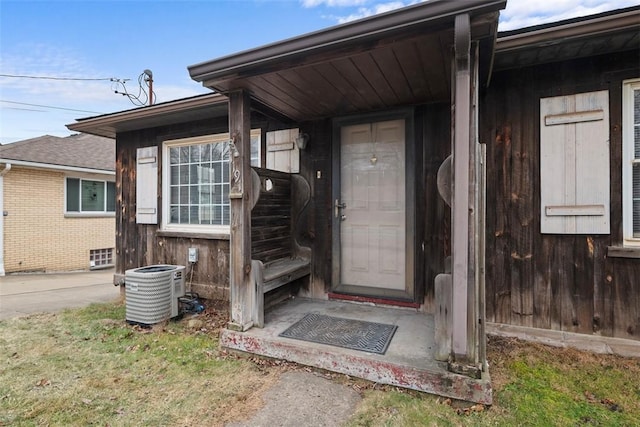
(407, 363)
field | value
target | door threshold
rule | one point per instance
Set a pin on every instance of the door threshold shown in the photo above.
(372, 300)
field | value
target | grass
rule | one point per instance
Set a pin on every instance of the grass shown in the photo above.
(534, 385)
(88, 367)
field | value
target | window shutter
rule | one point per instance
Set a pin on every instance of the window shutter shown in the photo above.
(282, 152)
(574, 164)
(147, 185)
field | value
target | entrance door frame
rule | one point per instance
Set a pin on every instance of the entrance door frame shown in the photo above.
(411, 241)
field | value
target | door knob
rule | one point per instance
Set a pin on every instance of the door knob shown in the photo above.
(337, 206)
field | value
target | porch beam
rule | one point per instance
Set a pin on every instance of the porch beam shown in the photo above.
(460, 201)
(242, 295)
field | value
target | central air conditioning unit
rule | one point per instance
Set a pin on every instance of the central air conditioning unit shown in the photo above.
(152, 292)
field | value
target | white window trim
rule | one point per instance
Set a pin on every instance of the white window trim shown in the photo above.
(166, 208)
(85, 214)
(628, 86)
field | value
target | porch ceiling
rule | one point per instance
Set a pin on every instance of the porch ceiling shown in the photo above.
(400, 73)
(396, 59)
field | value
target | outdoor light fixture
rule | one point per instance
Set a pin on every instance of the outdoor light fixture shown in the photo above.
(301, 140)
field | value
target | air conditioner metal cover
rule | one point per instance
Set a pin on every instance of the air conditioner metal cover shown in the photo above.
(151, 293)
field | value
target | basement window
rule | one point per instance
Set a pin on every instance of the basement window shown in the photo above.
(100, 258)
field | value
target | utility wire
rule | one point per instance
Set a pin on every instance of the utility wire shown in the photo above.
(49, 106)
(143, 97)
(57, 78)
(26, 109)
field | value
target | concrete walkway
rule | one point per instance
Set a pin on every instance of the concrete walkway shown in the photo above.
(22, 294)
(304, 399)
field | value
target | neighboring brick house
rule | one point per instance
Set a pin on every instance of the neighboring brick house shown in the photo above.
(57, 198)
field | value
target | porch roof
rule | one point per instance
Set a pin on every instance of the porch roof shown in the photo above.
(398, 58)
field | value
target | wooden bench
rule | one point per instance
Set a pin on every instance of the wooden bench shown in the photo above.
(276, 256)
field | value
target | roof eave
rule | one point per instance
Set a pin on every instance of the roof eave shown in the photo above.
(375, 26)
(104, 125)
(38, 165)
(588, 27)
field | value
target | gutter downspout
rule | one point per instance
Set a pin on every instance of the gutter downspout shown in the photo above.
(7, 168)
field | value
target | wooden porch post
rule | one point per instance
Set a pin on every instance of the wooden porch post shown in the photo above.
(242, 294)
(462, 240)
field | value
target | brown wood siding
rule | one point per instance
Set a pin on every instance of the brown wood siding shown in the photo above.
(559, 282)
(138, 245)
(317, 233)
(434, 216)
(271, 218)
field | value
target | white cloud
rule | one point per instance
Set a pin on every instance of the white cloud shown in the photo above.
(518, 13)
(526, 13)
(332, 3)
(375, 9)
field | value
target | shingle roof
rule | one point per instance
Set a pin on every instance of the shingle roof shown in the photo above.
(80, 150)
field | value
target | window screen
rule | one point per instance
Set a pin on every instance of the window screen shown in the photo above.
(636, 164)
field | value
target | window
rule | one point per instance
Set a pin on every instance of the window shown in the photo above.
(196, 182)
(100, 257)
(90, 196)
(631, 162)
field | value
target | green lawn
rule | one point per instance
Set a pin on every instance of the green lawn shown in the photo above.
(88, 367)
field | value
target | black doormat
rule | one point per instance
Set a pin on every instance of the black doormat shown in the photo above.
(354, 334)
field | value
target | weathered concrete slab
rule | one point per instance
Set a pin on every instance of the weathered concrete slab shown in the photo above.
(409, 361)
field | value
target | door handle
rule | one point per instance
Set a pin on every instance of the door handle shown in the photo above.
(343, 217)
(337, 206)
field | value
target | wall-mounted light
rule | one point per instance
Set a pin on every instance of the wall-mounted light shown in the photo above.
(302, 140)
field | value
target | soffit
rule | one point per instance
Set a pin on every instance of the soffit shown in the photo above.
(372, 68)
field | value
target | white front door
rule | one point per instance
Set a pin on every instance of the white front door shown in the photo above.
(371, 209)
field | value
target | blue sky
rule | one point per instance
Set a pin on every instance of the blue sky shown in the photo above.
(97, 39)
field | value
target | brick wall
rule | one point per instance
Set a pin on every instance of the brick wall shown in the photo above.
(37, 235)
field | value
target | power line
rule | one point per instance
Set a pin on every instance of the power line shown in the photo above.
(49, 106)
(26, 109)
(144, 79)
(109, 79)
